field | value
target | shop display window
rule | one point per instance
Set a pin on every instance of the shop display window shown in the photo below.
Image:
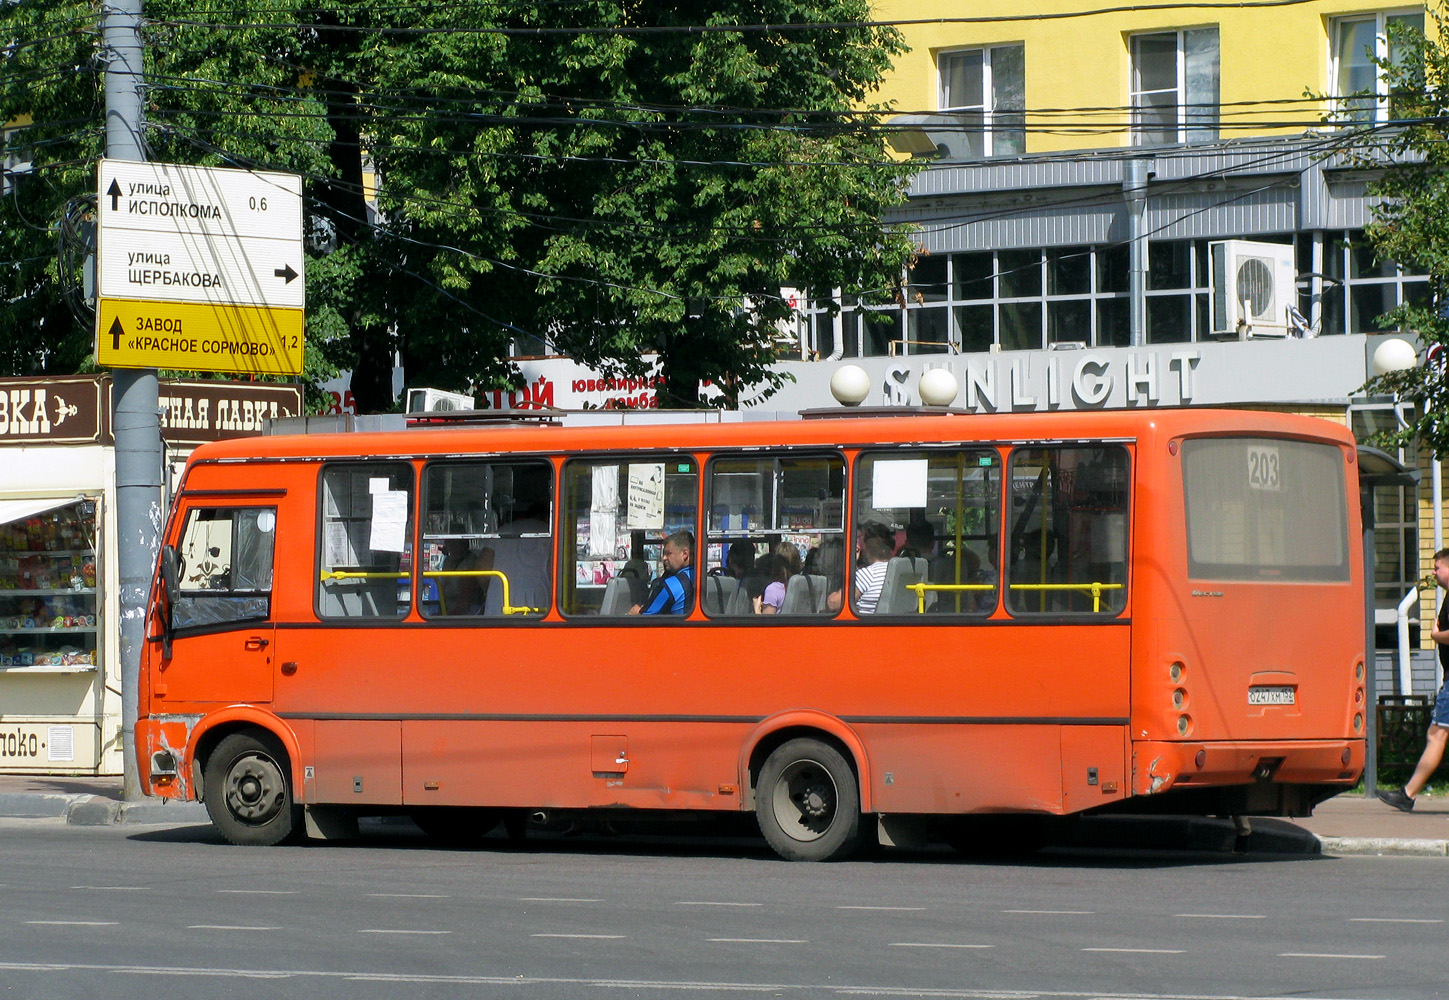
(49, 608)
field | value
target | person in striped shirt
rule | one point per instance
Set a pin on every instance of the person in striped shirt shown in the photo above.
(672, 593)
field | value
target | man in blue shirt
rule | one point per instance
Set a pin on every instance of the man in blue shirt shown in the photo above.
(673, 592)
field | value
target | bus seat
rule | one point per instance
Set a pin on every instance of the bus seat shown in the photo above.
(740, 603)
(617, 598)
(804, 595)
(719, 591)
(901, 572)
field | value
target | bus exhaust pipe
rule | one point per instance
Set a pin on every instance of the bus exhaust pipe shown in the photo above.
(539, 817)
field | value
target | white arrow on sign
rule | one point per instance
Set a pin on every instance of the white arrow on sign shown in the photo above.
(194, 267)
(169, 197)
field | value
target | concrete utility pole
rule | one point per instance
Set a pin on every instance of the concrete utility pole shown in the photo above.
(134, 415)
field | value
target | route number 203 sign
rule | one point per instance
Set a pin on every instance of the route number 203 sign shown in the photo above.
(1263, 470)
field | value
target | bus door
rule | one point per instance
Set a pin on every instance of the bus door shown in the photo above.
(223, 640)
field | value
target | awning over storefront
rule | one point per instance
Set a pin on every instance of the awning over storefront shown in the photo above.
(19, 510)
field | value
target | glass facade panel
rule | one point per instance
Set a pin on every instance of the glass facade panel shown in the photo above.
(1021, 326)
(1019, 273)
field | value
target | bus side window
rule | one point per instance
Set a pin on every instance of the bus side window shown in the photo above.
(776, 536)
(487, 539)
(616, 515)
(926, 532)
(1068, 530)
(365, 551)
(226, 566)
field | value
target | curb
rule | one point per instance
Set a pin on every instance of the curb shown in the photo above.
(1388, 846)
(97, 810)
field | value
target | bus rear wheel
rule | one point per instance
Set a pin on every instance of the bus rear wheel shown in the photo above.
(249, 792)
(807, 802)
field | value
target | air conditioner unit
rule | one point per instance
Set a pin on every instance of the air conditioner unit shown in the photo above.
(1253, 287)
(436, 400)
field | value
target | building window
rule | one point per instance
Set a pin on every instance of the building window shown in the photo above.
(1175, 86)
(968, 302)
(986, 90)
(1359, 288)
(1361, 45)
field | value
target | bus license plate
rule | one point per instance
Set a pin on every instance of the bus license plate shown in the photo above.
(1271, 696)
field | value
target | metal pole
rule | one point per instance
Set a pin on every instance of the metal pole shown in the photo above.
(1371, 698)
(1135, 189)
(134, 394)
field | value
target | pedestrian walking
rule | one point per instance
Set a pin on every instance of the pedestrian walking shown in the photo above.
(1403, 798)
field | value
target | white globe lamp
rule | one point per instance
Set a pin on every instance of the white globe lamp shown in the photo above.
(850, 385)
(1394, 355)
(938, 387)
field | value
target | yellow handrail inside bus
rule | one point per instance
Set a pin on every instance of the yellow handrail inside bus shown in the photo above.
(508, 607)
(1094, 588)
(921, 588)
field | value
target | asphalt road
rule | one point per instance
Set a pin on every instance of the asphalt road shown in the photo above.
(174, 912)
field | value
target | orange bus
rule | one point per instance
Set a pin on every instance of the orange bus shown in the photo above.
(870, 627)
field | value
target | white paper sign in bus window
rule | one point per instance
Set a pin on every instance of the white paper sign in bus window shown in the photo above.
(389, 520)
(898, 483)
(604, 512)
(646, 495)
(1263, 469)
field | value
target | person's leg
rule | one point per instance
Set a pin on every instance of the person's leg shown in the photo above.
(1428, 761)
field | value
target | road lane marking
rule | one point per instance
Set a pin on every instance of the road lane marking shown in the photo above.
(555, 899)
(711, 902)
(1316, 954)
(1222, 916)
(112, 888)
(396, 930)
(73, 923)
(1139, 951)
(1394, 920)
(259, 892)
(592, 937)
(228, 927)
(758, 941)
(885, 909)
(935, 944)
(595, 986)
(409, 895)
(1065, 913)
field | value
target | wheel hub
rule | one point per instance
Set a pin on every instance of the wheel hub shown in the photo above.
(255, 789)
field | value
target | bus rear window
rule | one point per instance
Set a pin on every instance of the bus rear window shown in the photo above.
(1264, 509)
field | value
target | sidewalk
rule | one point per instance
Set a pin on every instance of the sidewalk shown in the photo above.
(1347, 824)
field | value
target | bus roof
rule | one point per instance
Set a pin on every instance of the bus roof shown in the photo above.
(844, 431)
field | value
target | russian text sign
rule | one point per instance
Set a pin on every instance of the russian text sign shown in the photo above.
(199, 336)
(199, 268)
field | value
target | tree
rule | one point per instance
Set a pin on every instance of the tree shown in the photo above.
(1411, 224)
(618, 177)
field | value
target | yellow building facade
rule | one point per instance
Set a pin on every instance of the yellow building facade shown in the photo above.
(1084, 69)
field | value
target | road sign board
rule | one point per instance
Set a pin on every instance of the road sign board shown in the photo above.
(169, 197)
(199, 336)
(186, 267)
(199, 268)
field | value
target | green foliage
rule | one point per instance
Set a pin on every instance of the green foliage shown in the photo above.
(617, 190)
(1411, 224)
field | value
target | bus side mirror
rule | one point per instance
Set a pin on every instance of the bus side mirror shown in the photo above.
(170, 576)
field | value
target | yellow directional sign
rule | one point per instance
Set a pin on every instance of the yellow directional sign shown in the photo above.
(199, 336)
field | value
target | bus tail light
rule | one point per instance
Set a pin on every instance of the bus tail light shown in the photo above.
(1201, 758)
(1358, 722)
(1184, 723)
(1179, 699)
(1346, 756)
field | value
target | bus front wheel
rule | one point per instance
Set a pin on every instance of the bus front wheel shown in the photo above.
(249, 792)
(808, 803)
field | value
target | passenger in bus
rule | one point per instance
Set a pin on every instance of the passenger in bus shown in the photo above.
(876, 552)
(920, 540)
(673, 592)
(461, 595)
(521, 554)
(740, 560)
(790, 553)
(773, 598)
(1438, 738)
(636, 570)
